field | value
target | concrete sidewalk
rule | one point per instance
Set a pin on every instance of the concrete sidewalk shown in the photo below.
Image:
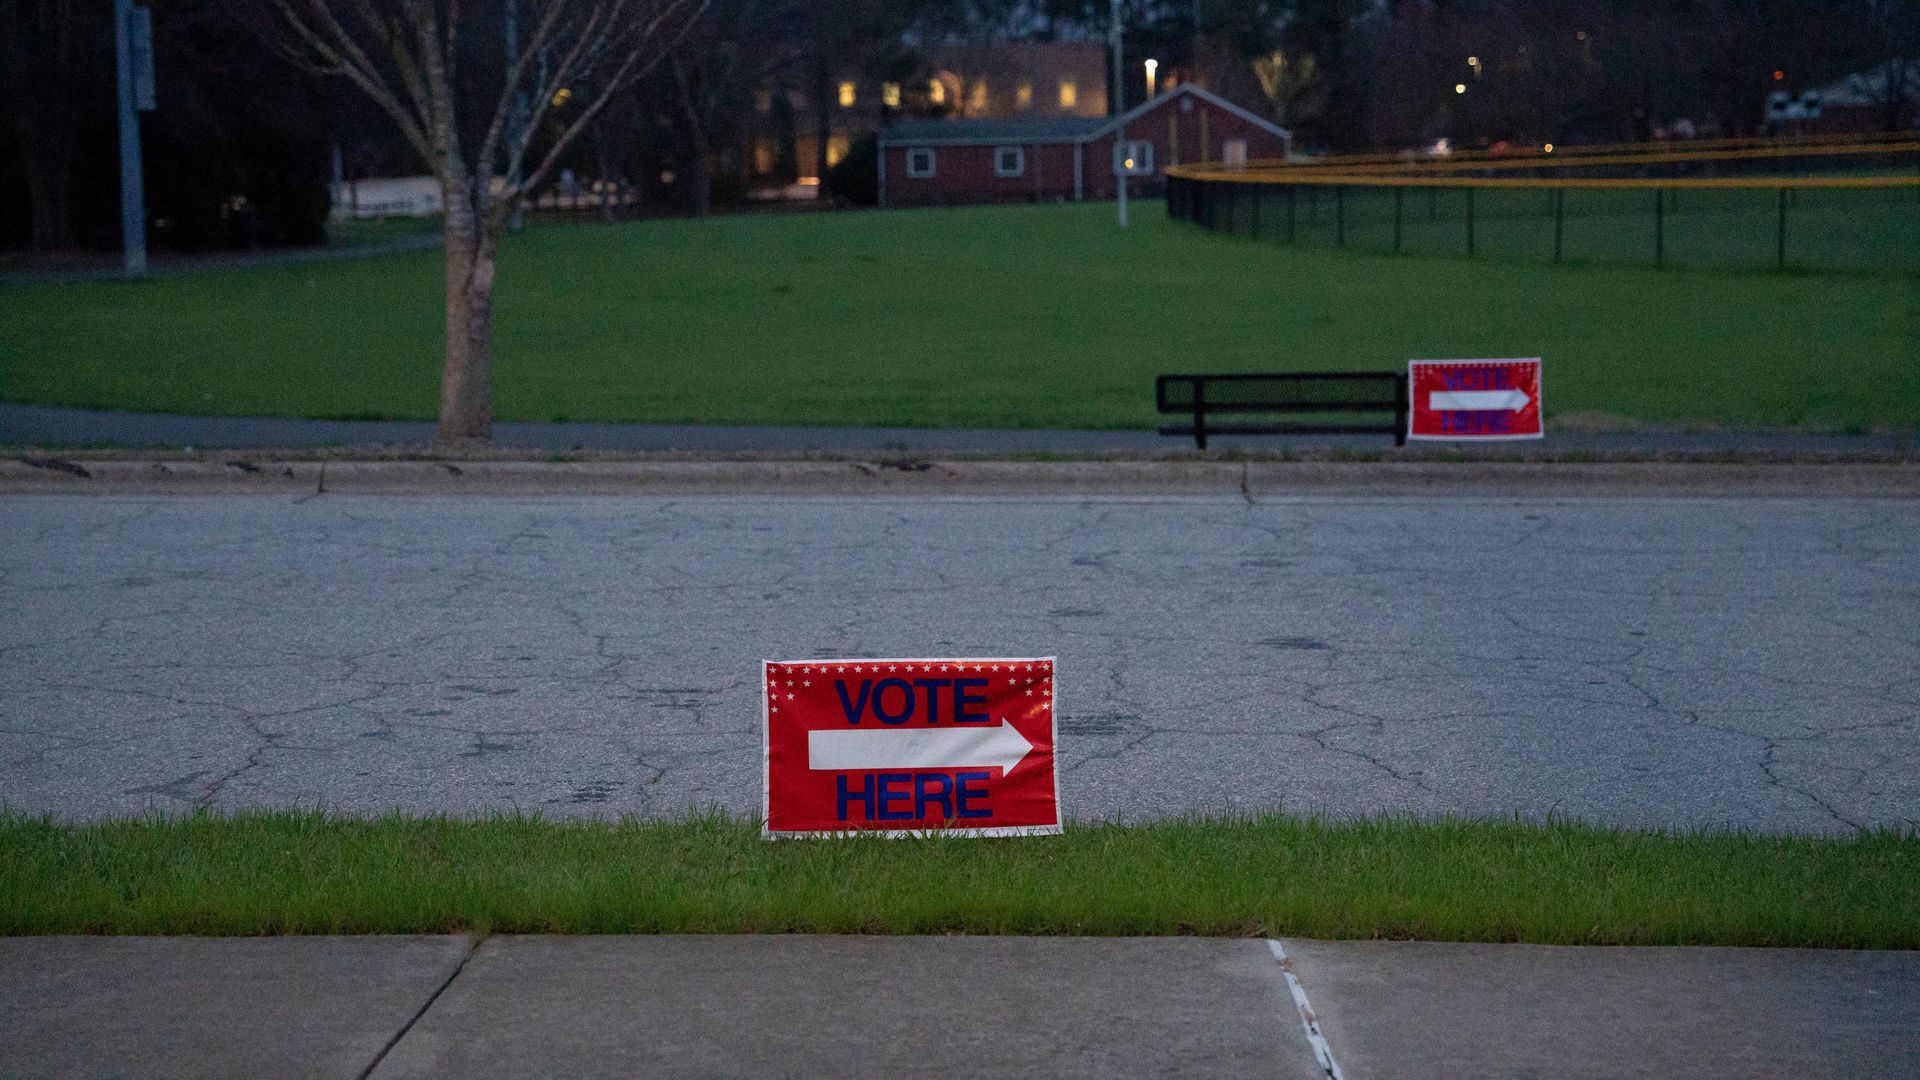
(50, 426)
(807, 1006)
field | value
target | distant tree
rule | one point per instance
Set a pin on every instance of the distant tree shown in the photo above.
(837, 37)
(745, 47)
(475, 114)
(1893, 39)
(1283, 80)
(54, 63)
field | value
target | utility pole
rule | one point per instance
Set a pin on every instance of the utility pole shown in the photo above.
(133, 76)
(1119, 107)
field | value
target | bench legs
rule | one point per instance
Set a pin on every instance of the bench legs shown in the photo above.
(1402, 402)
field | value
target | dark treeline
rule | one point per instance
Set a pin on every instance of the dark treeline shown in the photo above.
(239, 151)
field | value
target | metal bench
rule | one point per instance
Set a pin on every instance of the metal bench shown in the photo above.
(1352, 394)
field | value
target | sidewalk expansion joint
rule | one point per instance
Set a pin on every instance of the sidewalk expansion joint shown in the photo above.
(1322, 1053)
(472, 947)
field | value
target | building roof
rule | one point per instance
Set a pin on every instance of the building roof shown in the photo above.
(1058, 129)
(1023, 130)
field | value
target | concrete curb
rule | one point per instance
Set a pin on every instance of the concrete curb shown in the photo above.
(978, 479)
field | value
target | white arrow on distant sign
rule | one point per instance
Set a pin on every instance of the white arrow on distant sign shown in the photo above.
(1477, 400)
(917, 748)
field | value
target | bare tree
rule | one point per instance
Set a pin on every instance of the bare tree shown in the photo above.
(472, 110)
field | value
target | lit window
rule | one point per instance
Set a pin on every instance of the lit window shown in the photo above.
(836, 149)
(846, 95)
(977, 101)
(920, 162)
(1069, 94)
(762, 156)
(937, 92)
(1024, 95)
(1009, 161)
(890, 94)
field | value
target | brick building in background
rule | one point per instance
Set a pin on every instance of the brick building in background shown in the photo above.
(1006, 80)
(1001, 159)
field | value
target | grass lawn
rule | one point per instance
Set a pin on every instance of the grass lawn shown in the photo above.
(1451, 881)
(1033, 316)
(372, 232)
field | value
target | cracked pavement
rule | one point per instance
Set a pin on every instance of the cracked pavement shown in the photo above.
(1640, 661)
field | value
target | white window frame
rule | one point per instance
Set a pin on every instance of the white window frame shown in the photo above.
(916, 172)
(1019, 161)
(1140, 150)
(1233, 153)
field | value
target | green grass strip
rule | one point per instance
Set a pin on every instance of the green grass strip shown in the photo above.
(310, 873)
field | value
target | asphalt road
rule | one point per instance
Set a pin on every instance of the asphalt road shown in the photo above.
(1633, 660)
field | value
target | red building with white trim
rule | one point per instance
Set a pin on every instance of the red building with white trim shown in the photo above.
(924, 162)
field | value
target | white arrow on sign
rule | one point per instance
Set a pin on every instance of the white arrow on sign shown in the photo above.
(1477, 400)
(917, 748)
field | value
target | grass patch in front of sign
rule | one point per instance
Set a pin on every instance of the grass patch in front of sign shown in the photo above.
(298, 873)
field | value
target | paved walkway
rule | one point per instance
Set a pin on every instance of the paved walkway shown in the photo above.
(109, 267)
(803, 1006)
(39, 425)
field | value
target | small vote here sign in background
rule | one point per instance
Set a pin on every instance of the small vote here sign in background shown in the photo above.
(903, 746)
(1466, 400)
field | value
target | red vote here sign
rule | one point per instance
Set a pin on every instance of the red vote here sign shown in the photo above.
(1473, 399)
(906, 746)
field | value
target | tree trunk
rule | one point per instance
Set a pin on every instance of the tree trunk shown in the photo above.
(466, 381)
(823, 127)
(49, 184)
(699, 164)
(47, 144)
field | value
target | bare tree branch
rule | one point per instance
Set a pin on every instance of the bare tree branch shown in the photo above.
(513, 86)
(338, 53)
(631, 68)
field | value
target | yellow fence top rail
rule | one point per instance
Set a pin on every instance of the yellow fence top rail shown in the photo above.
(1408, 157)
(1446, 173)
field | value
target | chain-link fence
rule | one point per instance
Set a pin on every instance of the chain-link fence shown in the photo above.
(1804, 205)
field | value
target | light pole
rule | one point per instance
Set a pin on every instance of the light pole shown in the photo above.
(1120, 159)
(1152, 66)
(133, 77)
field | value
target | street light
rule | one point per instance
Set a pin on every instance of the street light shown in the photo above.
(1459, 88)
(1152, 66)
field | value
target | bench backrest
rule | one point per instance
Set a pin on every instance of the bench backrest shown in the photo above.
(1309, 391)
